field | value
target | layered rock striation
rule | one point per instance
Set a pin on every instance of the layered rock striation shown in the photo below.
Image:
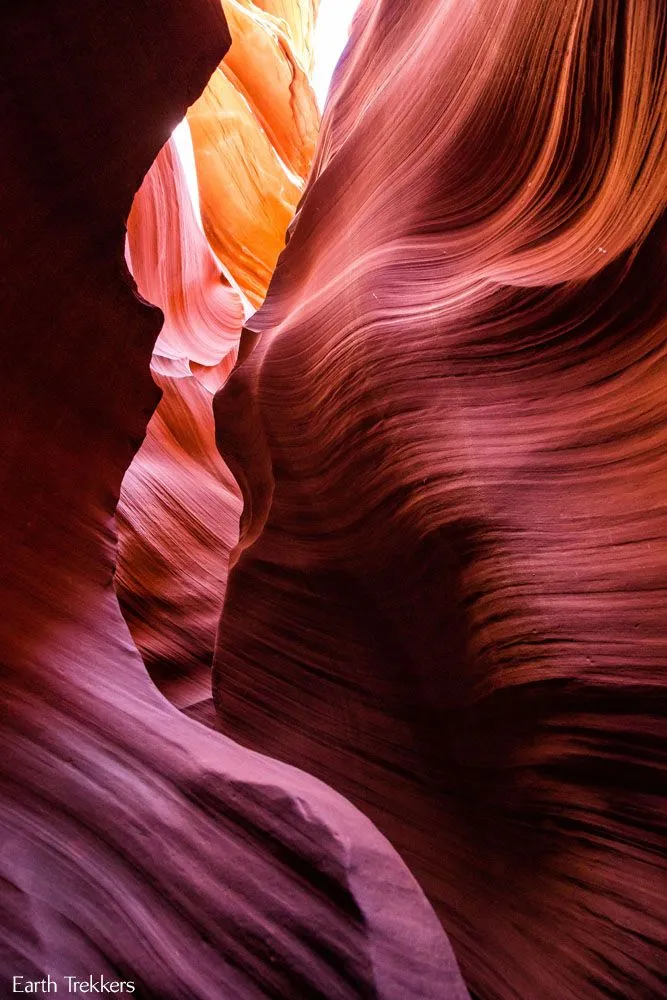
(448, 421)
(250, 138)
(137, 845)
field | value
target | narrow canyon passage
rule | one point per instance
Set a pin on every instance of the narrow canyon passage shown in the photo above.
(204, 235)
(333, 613)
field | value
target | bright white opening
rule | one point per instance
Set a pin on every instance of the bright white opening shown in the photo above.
(183, 141)
(331, 34)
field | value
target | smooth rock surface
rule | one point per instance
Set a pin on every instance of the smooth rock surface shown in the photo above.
(137, 844)
(254, 130)
(449, 424)
(179, 506)
(250, 138)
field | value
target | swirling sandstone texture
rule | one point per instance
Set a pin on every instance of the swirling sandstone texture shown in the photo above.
(179, 506)
(135, 843)
(449, 423)
(253, 131)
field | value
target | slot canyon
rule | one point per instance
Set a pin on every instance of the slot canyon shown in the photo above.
(333, 516)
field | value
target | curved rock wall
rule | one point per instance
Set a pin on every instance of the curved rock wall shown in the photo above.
(448, 421)
(136, 845)
(179, 506)
(253, 132)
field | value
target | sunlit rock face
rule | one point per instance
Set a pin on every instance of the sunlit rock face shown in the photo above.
(137, 845)
(449, 422)
(179, 508)
(296, 20)
(253, 131)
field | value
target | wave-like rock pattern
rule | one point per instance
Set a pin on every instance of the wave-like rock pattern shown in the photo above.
(448, 421)
(179, 506)
(254, 132)
(136, 844)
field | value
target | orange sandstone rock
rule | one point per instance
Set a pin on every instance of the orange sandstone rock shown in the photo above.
(254, 131)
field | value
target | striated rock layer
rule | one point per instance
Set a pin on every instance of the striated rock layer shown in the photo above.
(449, 424)
(136, 844)
(253, 133)
(254, 130)
(179, 506)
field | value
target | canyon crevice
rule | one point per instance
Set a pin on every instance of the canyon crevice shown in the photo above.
(137, 844)
(370, 419)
